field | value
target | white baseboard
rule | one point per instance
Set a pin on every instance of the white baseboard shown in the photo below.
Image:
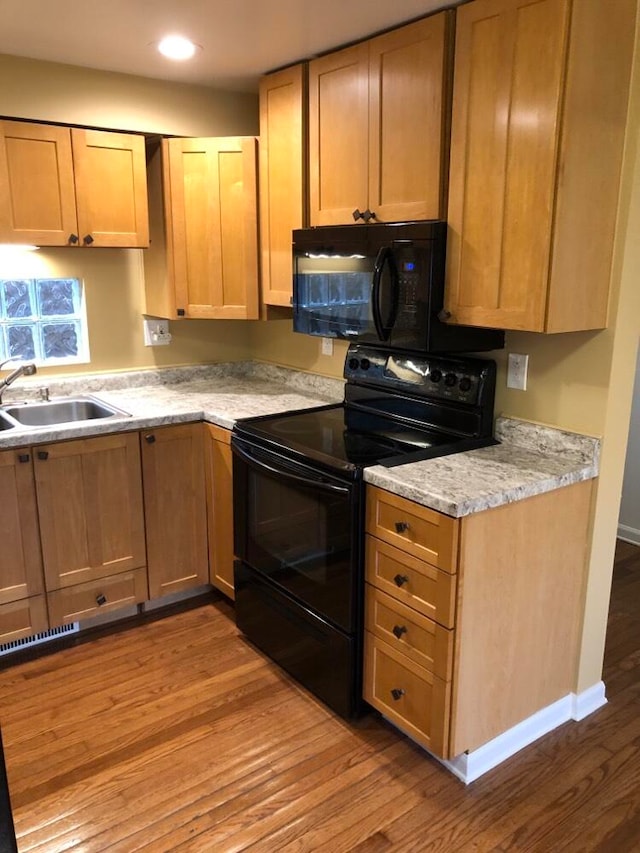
(629, 534)
(470, 765)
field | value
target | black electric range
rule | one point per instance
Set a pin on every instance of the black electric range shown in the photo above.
(299, 501)
(397, 408)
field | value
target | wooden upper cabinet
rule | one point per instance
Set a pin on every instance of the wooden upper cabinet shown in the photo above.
(539, 111)
(212, 226)
(378, 126)
(90, 506)
(61, 186)
(173, 467)
(111, 188)
(281, 165)
(20, 560)
(37, 190)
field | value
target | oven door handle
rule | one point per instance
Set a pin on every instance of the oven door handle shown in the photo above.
(311, 480)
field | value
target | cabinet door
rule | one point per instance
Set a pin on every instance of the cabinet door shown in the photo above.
(282, 125)
(338, 135)
(111, 188)
(90, 506)
(409, 71)
(175, 509)
(214, 229)
(23, 618)
(220, 507)
(21, 562)
(509, 71)
(37, 195)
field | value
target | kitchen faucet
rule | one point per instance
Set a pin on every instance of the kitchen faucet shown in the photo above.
(24, 369)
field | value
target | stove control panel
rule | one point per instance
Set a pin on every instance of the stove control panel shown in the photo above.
(455, 378)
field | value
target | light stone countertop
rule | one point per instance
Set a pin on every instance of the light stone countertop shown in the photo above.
(219, 394)
(530, 459)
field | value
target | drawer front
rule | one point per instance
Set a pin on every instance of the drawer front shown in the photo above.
(419, 638)
(421, 532)
(20, 619)
(407, 695)
(75, 603)
(411, 581)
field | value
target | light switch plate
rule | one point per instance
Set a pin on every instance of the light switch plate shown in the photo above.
(327, 346)
(517, 371)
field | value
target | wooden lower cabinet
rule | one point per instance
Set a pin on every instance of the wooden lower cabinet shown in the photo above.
(454, 679)
(173, 470)
(23, 618)
(219, 471)
(85, 600)
(90, 508)
(408, 694)
(21, 560)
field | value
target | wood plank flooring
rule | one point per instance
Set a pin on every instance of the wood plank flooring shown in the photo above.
(178, 736)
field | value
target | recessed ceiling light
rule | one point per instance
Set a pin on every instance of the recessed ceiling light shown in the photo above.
(177, 47)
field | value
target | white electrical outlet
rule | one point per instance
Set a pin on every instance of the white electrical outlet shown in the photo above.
(156, 331)
(327, 346)
(517, 371)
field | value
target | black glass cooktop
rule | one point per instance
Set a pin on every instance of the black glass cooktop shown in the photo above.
(347, 439)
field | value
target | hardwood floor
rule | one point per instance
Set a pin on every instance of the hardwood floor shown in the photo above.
(176, 735)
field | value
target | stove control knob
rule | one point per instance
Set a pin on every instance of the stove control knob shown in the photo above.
(435, 375)
(450, 380)
(353, 363)
(465, 383)
(365, 364)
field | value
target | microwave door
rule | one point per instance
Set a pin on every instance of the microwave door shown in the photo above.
(384, 293)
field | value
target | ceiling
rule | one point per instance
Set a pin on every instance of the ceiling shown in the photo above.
(240, 39)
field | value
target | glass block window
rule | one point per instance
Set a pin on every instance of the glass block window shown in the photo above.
(43, 320)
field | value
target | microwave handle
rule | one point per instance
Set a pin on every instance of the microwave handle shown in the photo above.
(385, 257)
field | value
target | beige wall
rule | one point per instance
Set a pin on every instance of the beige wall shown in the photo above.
(114, 293)
(48, 91)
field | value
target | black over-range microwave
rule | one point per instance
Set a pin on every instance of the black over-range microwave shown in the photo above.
(379, 284)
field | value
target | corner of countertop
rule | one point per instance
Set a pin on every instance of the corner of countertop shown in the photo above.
(547, 439)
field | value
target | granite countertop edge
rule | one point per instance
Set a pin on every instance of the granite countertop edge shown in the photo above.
(530, 458)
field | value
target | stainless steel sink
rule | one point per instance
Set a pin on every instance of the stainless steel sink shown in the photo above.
(67, 410)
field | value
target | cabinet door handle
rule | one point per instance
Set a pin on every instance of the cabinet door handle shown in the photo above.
(43, 454)
(402, 526)
(368, 214)
(180, 312)
(397, 693)
(357, 214)
(87, 239)
(73, 239)
(150, 439)
(401, 579)
(101, 599)
(399, 630)
(23, 457)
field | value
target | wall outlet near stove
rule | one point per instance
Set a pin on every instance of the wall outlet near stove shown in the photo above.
(327, 346)
(156, 332)
(517, 371)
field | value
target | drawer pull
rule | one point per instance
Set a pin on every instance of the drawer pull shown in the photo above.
(402, 526)
(101, 599)
(397, 693)
(399, 630)
(23, 457)
(400, 579)
(150, 439)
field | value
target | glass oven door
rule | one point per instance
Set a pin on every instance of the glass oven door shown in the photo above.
(299, 528)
